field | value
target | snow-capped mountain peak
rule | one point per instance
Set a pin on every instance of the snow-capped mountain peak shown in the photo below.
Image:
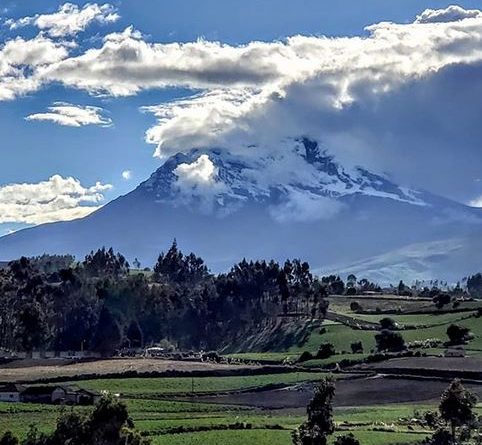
(300, 168)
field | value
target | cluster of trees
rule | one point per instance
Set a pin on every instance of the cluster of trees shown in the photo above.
(319, 424)
(100, 304)
(454, 423)
(107, 424)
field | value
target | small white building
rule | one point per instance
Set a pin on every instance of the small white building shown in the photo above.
(11, 392)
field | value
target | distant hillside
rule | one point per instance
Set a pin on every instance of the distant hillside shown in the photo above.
(333, 217)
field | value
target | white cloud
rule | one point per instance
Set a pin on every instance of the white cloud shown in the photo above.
(198, 182)
(19, 58)
(450, 14)
(69, 19)
(348, 92)
(126, 175)
(322, 75)
(477, 202)
(66, 114)
(200, 172)
(58, 199)
(305, 207)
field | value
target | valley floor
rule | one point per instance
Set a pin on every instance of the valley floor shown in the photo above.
(242, 403)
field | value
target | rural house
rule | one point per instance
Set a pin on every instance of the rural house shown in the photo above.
(11, 392)
(60, 394)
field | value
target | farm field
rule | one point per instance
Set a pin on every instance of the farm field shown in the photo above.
(20, 371)
(220, 409)
(143, 387)
(161, 420)
(414, 327)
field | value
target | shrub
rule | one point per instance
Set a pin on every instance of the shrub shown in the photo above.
(457, 334)
(8, 439)
(356, 347)
(349, 439)
(212, 356)
(390, 341)
(441, 437)
(441, 300)
(305, 356)
(326, 350)
(350, 291)
(388, 323)
(355, 306)
(431, 418)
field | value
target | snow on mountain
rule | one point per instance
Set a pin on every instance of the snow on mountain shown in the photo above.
(295, 201)
(229, 181)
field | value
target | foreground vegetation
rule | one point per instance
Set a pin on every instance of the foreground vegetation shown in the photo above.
(192, 422)
(258, 312)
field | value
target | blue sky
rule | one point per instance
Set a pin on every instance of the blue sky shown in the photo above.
(34, 150)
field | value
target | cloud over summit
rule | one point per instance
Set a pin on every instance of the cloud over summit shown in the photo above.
(362, 97)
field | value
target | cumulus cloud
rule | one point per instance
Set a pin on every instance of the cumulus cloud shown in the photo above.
(126, 175)
(69, 115)
(202, 171)
(325, 76)
(58, 199)
(69, 19)
(450, 14)
(19, 58)
(198, 182)
(364, 97)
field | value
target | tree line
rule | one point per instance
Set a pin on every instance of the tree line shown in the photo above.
(101, 304)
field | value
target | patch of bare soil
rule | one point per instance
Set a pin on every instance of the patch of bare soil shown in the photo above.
(469, 364)
(25, 371)
(357, 392)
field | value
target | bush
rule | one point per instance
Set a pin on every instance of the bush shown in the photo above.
(431, 418)
(388, 323)
(355, 306)
(457, 334)
(441, 300)
(441, 437)
(8, 439)
(212, 356)
(326, 350)
(349, 439)
(350, 291)
(390, 341)
(305, 356)
(356, 347)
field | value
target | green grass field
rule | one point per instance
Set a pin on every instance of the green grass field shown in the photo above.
(425, 326)
(157, 419)
(156, 407)
(145, 387)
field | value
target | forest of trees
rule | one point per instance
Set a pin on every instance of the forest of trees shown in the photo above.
(100, 304)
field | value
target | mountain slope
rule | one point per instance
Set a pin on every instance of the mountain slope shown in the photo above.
(300, 203)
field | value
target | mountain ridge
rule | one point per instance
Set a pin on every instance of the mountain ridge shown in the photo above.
(300, 203)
